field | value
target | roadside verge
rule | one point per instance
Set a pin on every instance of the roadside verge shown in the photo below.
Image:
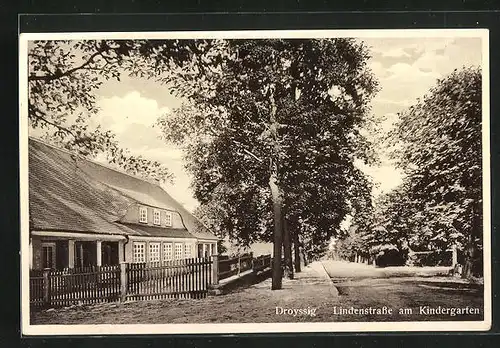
(318, 267)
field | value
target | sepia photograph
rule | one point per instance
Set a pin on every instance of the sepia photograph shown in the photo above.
(213, 182)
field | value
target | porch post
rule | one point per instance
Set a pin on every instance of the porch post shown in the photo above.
(121, 257)
(80, 249)
(216, 252)
(204, 250)
(71, 253)
(31, 254)
(98, 253)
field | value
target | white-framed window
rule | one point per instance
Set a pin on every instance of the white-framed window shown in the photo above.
(156, 217)
(178, 251)
(167, 252)
(154, 252)
(139, 252)
(48, 255)
(143, 215)
(168, 218)
(187, 250)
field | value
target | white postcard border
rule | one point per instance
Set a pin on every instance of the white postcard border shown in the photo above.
(334, 327)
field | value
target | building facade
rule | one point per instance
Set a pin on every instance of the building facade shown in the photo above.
(83, 213)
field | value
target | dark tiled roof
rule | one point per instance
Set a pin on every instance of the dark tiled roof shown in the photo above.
(155, 231)
(71, 193)
(63, 198)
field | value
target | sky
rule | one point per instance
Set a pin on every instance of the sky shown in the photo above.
(406, 69)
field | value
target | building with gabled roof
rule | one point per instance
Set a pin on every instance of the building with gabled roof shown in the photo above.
(83, 213)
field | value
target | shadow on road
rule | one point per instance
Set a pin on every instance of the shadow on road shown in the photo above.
(341, 271)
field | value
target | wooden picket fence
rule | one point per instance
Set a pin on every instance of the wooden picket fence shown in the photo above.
(229, 267)
(64, 287)
(37, 288)
(188, 278)
(261, 262)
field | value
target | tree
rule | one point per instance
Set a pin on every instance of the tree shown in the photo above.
(312, 91)
(440, 153)
(62, 79)
(277, 138)
(348, 244)
(64, 75)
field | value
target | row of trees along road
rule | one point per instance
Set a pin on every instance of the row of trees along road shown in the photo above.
(437, 144)
(270, 128)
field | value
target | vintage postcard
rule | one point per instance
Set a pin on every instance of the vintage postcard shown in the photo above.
(211, 182)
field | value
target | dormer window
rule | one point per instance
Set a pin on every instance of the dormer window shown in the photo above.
(143, 215)
(168, 219)
(156, 217)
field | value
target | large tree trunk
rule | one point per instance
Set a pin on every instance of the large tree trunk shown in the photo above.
(278, 234)
(471, 248)
(277, 197)
(287, 248)
(304, 256)
(469, 254)
(296, 251)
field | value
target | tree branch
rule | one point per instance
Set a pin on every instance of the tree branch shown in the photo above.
(59, 74)
(58, 126)
(251, 154)
(246, 151)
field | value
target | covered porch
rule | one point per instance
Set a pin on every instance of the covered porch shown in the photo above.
(206, 248)
(59, 250)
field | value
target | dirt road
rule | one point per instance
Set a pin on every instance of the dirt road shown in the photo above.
(308, 298)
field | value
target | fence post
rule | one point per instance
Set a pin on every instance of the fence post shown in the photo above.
(215, 269)
(46, 286)
(123, 281)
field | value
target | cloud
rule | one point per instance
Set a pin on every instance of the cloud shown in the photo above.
(453, 55)
(119, 113)
(406, 70)
(403, 81)
(410, 72)
(387, 177)
(182, 193)
(132, 118)
(378, 69)
(166, 154)
(405, 47)
(392, 103)
(136, 135)
(395, 52)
